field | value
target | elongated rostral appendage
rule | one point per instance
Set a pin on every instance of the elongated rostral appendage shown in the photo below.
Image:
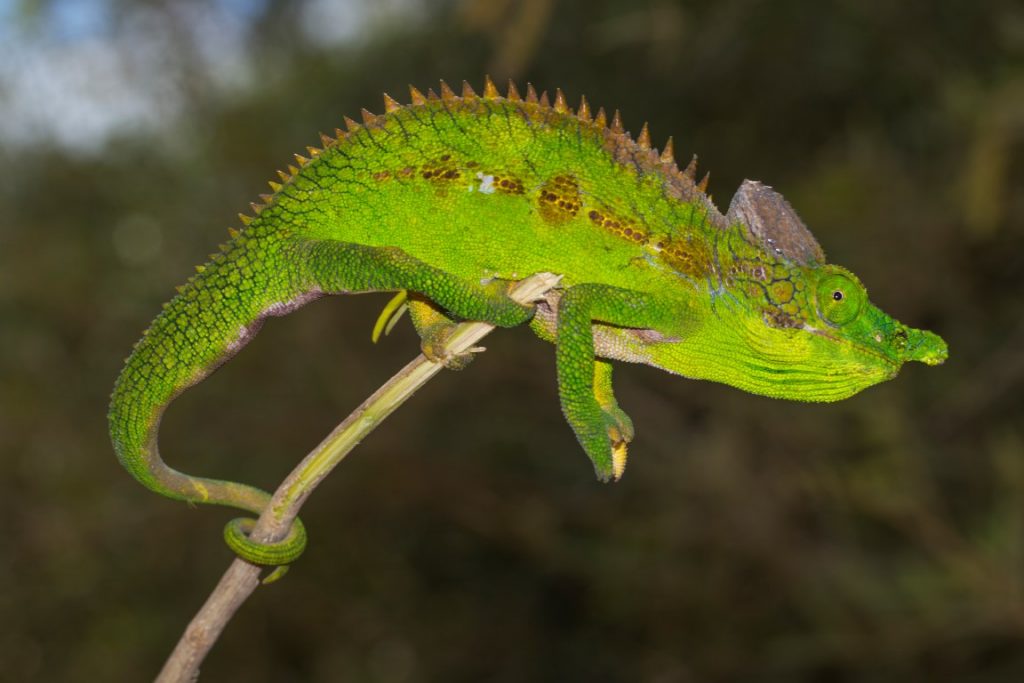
(925, 347)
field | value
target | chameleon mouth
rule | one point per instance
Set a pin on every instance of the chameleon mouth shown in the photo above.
(892, 366)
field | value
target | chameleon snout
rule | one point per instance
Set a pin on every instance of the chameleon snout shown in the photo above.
(925, 347)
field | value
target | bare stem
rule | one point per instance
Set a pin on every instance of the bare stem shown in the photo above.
(242, 578)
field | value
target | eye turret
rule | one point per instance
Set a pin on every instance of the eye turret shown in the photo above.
(840, 299)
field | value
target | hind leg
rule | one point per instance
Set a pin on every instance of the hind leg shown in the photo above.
(342, 267)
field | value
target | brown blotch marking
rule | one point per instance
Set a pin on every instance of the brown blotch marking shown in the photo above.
(624, 228)
(508, 184)
(776, 317)
(382, 175)
(441, 170)
(406, 172)
(687, 256)
(559, 199)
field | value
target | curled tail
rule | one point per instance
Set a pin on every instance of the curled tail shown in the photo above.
(214, 315)
(221, 308)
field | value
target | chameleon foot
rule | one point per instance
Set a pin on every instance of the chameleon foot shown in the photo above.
(434, 349)
(619, 459)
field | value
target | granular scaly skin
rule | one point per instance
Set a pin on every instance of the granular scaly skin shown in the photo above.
(452, 198)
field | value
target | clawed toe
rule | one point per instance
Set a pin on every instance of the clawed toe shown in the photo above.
(437, 353)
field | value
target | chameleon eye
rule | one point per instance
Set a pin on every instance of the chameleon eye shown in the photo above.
(839, 299)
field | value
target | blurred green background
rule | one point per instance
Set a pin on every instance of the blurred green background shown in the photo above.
(878, 539)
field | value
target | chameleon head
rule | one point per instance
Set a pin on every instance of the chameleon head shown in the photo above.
(837, 344)
(791, 326)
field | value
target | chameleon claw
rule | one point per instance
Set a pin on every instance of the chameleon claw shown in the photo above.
(619, 455)
(450, 361)
(620, 433)
(390, 316)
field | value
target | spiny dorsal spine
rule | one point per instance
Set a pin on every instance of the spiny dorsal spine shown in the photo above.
(665, 160)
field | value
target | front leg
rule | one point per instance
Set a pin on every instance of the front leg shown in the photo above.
(584, 382)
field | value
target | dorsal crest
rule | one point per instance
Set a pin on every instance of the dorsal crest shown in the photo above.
(774, 224)
(638, 154)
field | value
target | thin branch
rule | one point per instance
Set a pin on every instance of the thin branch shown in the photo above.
(242, 578)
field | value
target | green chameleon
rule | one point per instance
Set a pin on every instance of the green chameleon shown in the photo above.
(454, 198)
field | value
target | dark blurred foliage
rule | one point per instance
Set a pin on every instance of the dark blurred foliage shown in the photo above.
(878, 539)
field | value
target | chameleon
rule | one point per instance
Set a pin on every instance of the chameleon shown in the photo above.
(451, 199)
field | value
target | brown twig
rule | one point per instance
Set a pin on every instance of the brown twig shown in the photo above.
(242, 578)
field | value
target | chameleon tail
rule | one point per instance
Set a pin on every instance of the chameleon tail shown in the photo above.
(196, 332)
(220, 310)
(155, 474)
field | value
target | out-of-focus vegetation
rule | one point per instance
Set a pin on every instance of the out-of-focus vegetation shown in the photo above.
(879, 539)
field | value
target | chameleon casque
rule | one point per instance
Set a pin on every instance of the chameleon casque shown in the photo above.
(453, 198)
